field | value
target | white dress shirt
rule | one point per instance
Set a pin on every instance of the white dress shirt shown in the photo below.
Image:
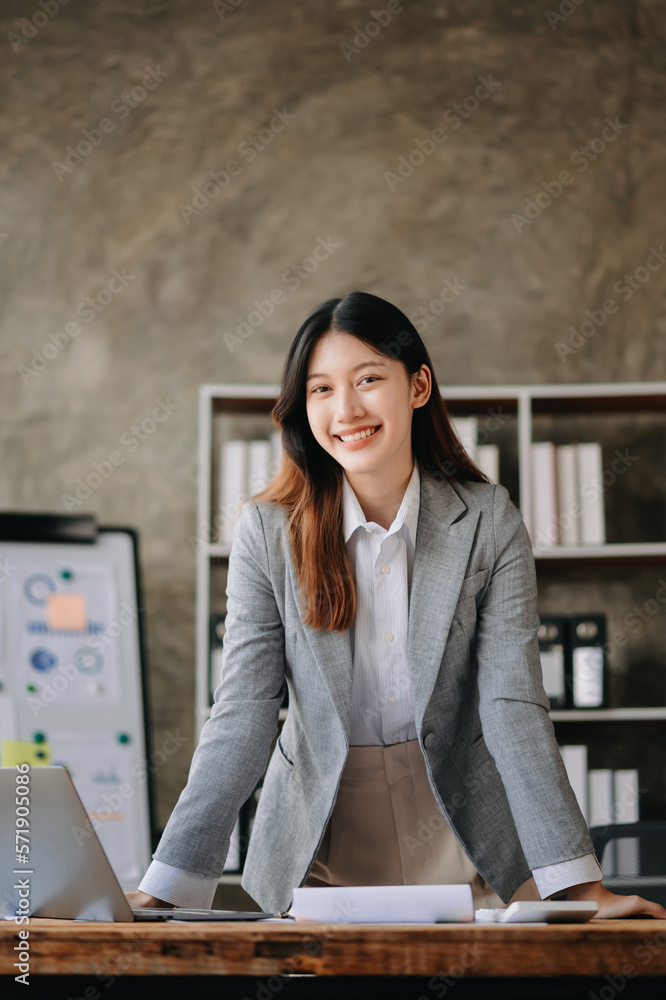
(382, 561)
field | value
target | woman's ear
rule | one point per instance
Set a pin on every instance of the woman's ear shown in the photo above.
(421, 386)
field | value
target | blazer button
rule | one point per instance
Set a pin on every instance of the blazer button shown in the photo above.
(429, 741)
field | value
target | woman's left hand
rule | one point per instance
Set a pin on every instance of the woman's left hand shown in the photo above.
(613, 905)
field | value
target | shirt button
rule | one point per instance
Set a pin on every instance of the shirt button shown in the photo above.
(389, 636)
(392, 700)
(369, 530)
(396, 739)
(386, 569)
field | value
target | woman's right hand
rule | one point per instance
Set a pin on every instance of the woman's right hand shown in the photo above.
(140, 899)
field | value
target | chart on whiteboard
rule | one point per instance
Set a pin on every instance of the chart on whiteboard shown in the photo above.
(102, 770)
(69, 625)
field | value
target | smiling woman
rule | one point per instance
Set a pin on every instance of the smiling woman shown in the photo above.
(391, 589)
(356, 364)
(353, 410)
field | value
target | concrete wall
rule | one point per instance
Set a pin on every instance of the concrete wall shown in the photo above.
(327, 135)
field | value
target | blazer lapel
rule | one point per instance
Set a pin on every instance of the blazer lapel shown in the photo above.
(444, 538)
(332, 654)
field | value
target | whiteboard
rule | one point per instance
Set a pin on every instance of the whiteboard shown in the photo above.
(71, 677)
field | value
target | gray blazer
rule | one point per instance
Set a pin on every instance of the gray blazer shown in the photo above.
(480, 709)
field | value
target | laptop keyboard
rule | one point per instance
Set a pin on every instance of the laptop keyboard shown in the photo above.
(183, 913)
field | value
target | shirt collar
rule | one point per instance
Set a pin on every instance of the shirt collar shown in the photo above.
(408, 512)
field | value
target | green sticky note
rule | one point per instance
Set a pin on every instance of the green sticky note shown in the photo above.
(24, 752)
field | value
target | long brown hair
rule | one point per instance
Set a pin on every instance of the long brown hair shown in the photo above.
(309, 481)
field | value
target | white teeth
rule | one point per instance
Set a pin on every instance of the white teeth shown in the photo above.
(359, 435)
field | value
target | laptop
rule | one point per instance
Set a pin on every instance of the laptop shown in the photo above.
(66, 873)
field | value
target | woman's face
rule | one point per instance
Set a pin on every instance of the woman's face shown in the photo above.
(353, 388)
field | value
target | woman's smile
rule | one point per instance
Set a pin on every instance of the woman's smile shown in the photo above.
(355, 441)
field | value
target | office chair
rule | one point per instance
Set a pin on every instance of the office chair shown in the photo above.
(633, 857)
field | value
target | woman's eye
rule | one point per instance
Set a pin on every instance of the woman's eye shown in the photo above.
(373, 378)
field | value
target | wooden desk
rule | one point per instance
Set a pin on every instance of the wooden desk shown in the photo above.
(618, 957)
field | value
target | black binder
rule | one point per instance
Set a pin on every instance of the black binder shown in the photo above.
(554, 652)
(587, 643)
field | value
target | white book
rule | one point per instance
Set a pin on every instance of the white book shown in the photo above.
(487, 459)
(567, 494)
(575, 762)
(232, 862)
(552, 669)
(601, 806)
(276, 452)
(233, 468)
(216, 661)
(588, 676)
(545, 530)
(258, 466)
(384, 904)
(467, 429)
(591, 493)
(626, 811)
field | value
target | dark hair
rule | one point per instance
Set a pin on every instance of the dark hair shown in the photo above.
(309, 480)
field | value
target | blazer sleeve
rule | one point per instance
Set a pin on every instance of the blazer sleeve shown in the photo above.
(235, 741)
(513, 705)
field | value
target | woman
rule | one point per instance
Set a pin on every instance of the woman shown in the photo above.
(392, 588)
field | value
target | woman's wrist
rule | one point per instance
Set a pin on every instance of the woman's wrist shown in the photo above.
(138, 898)
(586, 890)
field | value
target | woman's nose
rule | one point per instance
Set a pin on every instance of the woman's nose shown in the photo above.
(349, 405)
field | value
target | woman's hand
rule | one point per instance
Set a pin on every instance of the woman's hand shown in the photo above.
(139, 899)
(613, 905)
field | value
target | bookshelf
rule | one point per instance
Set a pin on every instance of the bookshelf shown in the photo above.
(513, 417)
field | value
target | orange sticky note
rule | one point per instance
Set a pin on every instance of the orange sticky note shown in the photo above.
(67, 611)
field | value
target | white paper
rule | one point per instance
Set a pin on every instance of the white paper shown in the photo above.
(384, 904)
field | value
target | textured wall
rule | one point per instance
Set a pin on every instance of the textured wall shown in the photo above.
(313, 129)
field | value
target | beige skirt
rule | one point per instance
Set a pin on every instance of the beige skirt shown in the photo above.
(387, 829)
